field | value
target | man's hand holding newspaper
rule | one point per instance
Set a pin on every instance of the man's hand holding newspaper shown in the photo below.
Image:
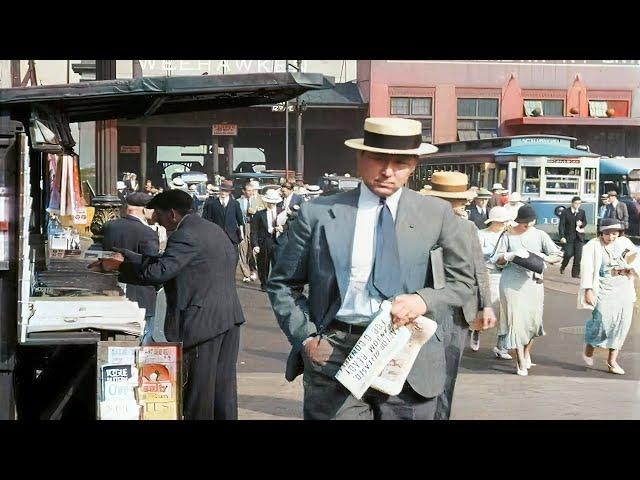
(384, 354)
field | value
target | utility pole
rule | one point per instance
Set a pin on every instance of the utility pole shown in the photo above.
(299, 152)
(286, 130)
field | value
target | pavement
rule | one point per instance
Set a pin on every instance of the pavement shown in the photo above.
(559, 387)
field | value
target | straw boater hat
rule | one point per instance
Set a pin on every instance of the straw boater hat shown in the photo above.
(498, 214)
(178, 182)
(449, 185)
(399, 136)
(314, 190)
(497, 186)
(272, 196)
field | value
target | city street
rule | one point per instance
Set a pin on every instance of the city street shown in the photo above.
(559, 387)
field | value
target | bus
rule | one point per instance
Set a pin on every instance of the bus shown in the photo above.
(622, 174)
(547, 170)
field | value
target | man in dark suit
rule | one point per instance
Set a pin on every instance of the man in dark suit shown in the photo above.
(617, 210)
(356, 249)
(479, 211)
(197, 270)
(264, 230)
(289, 199)
(134, 233)
(225, 212)
(573, 220)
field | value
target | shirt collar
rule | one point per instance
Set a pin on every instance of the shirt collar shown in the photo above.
(368, 198)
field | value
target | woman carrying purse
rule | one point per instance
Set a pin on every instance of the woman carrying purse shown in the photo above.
(522, 253)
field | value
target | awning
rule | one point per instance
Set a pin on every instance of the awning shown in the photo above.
(138, 97)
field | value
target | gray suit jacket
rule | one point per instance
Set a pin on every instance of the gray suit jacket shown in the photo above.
(317, 251)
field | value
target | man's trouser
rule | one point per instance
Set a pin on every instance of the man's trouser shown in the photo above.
(326, 399)
(573, 249)
(245, 249)
(264, 260)
(210, 384)
(456, 338)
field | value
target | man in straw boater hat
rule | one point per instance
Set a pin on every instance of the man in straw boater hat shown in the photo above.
(355, 249)
(476, 313)
(264, 230)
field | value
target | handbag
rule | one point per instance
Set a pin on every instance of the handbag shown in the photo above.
(533, 262)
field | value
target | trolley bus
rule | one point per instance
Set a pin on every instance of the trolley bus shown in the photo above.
(547, 170)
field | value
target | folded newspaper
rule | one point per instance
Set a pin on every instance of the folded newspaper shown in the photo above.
(383, 356)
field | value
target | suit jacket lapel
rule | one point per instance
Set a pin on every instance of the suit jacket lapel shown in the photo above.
(339, 232)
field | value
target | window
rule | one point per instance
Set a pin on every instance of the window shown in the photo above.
(562, 181)
(419, 108)
(546, 108)
(597, 108)
(531, 180)
(590, 181)
(477, 118)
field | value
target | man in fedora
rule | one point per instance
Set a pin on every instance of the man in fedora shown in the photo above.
(479, 211)
(225, 212)
(476, 313)
(356, 249)
(496, 197)
(264, 230)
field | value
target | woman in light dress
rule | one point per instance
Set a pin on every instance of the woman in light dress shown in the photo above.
(489, 237)
(608, 269)
(521, 290)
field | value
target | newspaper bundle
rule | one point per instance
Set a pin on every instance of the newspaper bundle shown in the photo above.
(383, 356)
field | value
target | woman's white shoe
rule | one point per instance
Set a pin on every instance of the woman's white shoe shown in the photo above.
(617, 369)
(527, 361)
(587, 360)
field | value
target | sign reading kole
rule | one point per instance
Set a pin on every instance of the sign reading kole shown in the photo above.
(225, 129)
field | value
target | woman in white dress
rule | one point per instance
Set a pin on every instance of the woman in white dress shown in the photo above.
(489, 237)
(521, 289)
(608, 270)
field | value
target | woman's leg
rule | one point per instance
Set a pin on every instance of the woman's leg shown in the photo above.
(613, 357)
(588, 350)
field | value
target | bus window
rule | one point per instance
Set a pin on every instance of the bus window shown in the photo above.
(562, 181)
(501, 174)
(590, 181)
(531, 180)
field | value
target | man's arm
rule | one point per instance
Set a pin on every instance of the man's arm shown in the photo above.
(288, 278)
(563, 218)
(625, 215)
(458, 268)
(239, 215)
(180, 251)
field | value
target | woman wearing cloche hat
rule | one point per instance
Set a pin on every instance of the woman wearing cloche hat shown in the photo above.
(521, 289)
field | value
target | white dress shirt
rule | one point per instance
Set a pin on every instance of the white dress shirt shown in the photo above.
(358, 306)
(271, 218)
(224, 201)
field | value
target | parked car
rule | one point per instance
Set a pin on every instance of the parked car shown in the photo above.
(330, 184)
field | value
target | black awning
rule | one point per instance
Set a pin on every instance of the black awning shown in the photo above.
(139, 97)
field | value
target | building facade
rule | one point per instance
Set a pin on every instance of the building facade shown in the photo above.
(596, 101)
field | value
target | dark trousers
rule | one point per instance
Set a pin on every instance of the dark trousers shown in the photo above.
(264, 259)
(573, 249)
(456, 338)
(326, 399)
(210, 384)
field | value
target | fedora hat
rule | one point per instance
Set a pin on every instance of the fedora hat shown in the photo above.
(399, 136)
(483, 193)
(226, 186)
(272, 196)
(498, 214)
(449, 185)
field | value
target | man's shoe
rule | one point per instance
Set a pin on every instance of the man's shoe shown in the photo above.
(253, 277)
(575, 276)
(474, 341)
(503, 354)
(562, 270)
(246, 279)
(263, 288)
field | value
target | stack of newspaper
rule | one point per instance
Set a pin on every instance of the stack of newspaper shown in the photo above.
(383, 356)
